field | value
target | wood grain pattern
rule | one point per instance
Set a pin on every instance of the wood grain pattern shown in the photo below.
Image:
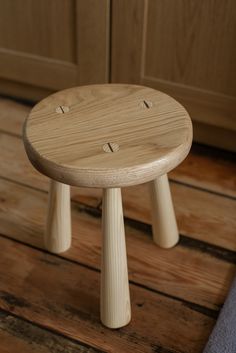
(70, 303)
(188, 34)
(209, 107)
(57, 236)
(51, 74)
(69, 147)
(200, 215)
(12, 116)
(39, 29)
(164, 226)
(19, 335)
(126, 56)
(22, 169)
(189, 273)
(115, 298)
(174, 293)
(216, 226)
(93, 31)
(173, 56)
(48, 46)
(193, 170)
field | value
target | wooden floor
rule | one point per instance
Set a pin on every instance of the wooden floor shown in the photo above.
(50, 303)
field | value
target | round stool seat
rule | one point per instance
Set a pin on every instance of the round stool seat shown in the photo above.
(110, 135)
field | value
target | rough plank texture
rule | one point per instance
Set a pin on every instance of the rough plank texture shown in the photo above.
(209, 218)
(17, 335)
(205, 282)
(51, 302)
(70, 303)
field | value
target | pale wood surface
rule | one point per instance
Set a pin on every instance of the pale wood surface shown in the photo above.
(57, 237)
(164, 226)
(190, 179)
(193, 170)
(115, 298)
(174, 293)
(153, 133)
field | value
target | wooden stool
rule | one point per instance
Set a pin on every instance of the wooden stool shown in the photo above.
(108, 136)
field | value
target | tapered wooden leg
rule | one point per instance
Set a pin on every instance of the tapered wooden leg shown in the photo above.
(115, 298)
(58, 229)
(164, 226)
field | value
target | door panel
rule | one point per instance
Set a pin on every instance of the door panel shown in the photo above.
(185, 48)
(53, 45)
(43, 28)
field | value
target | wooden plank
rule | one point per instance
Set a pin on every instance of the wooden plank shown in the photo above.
(144, 45)
(201, 215)
(208, 107)
(213, 114)
(64, 297)
(44, 28)
(12, 116)
(177, 50)
(22, 170)
(202, 168)
(51, 73)
(208, 168)
(181, 272)
(17, 335)
(93, 41)
(127, 40)
(23, 91)
(215, 136)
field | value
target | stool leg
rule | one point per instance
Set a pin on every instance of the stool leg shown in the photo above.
(58, 229)
(164, 226)
(115, 298)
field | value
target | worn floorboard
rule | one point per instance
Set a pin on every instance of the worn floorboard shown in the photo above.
(190, 274)
(64, 297)
(209, 216)
(18, 335)
(50, 303)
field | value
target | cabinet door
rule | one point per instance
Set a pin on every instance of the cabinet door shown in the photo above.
(51, 45)
(185, 48)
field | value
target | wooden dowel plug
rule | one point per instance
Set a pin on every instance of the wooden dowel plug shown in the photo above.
(58, 229)
(164, 226)
(115, 298)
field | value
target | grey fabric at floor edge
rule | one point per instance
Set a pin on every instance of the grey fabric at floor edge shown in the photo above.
(223, 336)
